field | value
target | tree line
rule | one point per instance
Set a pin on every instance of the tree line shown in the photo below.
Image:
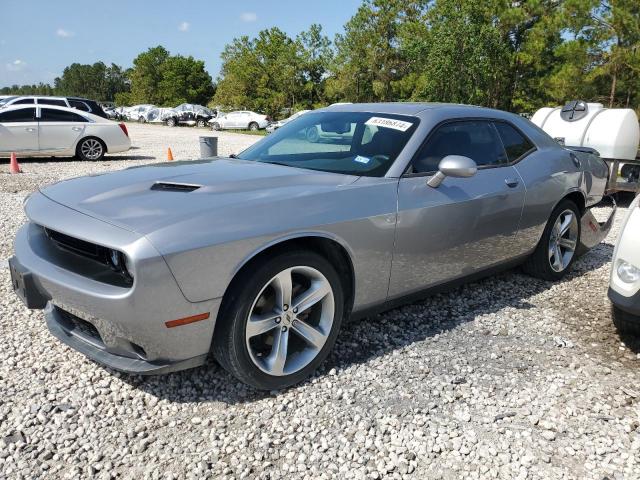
(515, 56)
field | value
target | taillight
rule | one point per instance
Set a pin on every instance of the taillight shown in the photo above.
(123, 127)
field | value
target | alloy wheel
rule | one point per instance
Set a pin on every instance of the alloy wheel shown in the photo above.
(91, 149)
(563, 240)
(290, 320)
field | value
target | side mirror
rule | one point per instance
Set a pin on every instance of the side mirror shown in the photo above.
(453, 166)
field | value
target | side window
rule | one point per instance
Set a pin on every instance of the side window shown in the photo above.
(79, 105)
(476, 139)
(52, 101)
(19, 115)
(514, 142)
(24, 101)
(51, 115)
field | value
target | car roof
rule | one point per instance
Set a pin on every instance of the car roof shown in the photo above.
(408, 108)
(91, 116)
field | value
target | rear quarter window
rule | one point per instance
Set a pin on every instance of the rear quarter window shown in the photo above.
(515, 144)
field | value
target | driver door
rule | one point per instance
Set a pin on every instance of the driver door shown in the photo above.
(464, 225)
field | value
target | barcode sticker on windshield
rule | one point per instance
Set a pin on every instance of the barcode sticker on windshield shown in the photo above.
(389, 123)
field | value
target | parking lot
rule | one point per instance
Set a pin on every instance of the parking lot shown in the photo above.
(509, 377)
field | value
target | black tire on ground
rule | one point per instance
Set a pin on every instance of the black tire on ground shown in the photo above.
(171, 122)
(229, 344)
(625, 322)
(201, 123)
(88, 145)
(253, 126)
(538, 264)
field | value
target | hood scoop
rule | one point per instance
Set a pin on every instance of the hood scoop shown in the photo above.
(175, 187)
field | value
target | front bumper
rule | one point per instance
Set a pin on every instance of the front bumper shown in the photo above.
(627, 304)
(130, 322)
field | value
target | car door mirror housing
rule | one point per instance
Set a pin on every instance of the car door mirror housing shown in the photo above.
(456, 166)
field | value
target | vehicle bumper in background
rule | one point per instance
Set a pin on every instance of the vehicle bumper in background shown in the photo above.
(119, 147)
(627, 304)
(593, 232)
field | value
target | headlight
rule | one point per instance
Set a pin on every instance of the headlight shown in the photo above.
(628, 273)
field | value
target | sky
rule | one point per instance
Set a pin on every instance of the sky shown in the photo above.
(48, 35)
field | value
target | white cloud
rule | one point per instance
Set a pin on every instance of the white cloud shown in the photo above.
(248, 17)
(62, 33)
(16, 65)
(184, 26)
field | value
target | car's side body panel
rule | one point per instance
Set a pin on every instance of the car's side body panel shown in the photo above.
(365, 229)
(457, 229)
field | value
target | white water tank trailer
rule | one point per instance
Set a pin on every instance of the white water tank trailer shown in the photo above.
(613, 132)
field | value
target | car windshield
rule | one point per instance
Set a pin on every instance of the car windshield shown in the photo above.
(352, 143)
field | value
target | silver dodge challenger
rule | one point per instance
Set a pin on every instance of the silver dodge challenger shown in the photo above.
(256, 259)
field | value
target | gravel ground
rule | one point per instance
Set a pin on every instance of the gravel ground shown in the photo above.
(509, 377)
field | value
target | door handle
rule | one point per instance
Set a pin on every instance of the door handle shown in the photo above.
(76, 129)
(511, 182)
(30, 129)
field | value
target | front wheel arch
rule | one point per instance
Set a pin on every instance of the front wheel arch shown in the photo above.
(327, 247)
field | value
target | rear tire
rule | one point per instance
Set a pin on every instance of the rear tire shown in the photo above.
(556, 252)
(246, 342)
(91, 149)
(625, 322)
(171, 122)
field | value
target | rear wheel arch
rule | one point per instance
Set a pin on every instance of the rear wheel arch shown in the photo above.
(79, 142)
(576, 197)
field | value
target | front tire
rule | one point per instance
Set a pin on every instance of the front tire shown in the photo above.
(279, 320)
(253, 126)
(201, 123)
(556, 250)
(171, 122)
(216, 126)
(90, 149)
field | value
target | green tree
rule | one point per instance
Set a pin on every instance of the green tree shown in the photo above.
(96, 81)
(316, 59)
(159, 78)
(368, 60)
(263, 74)
(146, 76)
(184, 80)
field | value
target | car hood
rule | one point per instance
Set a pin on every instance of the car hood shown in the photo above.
(148, 198)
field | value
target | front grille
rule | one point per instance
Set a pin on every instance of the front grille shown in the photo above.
(81, 247)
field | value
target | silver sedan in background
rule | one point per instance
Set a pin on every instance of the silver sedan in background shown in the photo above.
(257, 259)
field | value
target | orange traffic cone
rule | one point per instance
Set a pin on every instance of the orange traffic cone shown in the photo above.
(14, 166)
(169, 155)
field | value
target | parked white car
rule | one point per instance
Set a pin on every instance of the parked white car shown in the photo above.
(276, 125)
(624, 285)
(137, 113)
(32, 130)
(244, 120)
